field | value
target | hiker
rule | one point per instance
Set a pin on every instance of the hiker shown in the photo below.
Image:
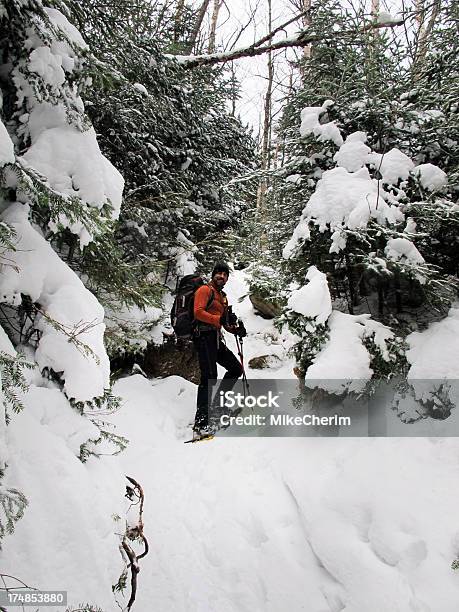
(211, 313)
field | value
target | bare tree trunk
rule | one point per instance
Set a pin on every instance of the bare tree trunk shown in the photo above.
(234, 93)
(373, 36)
(197, 26)
(306, 7)
(289, 96)
(425, 30)
(266, 138)
(178, 19)
(420, 15)
(213, 25)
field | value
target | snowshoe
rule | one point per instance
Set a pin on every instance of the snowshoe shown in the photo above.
(201, 433)
(200, 436)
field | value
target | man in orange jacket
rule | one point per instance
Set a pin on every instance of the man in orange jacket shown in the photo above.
(211, 314)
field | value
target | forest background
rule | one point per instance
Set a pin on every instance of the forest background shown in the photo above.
(126, 163)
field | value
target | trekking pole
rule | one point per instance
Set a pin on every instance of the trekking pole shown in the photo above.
(245, 382)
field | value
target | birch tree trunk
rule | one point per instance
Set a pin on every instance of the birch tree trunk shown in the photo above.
(213, 25)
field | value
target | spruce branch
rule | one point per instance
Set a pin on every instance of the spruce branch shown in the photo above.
(81, 327)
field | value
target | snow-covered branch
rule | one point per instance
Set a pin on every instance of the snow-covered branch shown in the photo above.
(302, 39)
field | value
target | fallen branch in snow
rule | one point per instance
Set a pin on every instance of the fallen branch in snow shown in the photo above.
(300, 40)
(131, 534)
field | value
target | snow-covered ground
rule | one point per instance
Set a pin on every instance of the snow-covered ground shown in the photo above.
(321, 525)
(235, 524)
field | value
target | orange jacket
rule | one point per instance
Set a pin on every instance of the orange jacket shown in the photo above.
(217, 308)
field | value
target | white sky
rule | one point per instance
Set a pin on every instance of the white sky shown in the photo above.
(252, 71)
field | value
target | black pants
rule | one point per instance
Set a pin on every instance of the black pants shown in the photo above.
(211, 350)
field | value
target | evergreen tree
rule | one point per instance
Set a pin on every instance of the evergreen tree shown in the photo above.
(58, 193)
(354, 121)
(169, 132)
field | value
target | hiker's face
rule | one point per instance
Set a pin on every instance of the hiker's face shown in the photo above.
(220, 279)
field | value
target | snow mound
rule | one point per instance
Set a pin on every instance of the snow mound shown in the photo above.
(313, 300)
(70, 31)
(310, 124)
(6, 147)
(393, 165)
(36, 270)
(430, 176)
(72, 163)
(434, 356)
(403, 249)
(353, 154)
(141, 88)
(344, 362)
(47, 65)
(70, 504)
(139, 325)
(343, 199)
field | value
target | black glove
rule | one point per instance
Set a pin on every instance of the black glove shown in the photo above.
(241, 330)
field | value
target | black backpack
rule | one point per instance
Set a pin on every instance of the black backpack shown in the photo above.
(182, 317)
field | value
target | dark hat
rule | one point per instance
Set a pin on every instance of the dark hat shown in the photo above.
(221, 266)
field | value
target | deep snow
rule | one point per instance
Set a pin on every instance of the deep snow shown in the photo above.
(235, 524)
